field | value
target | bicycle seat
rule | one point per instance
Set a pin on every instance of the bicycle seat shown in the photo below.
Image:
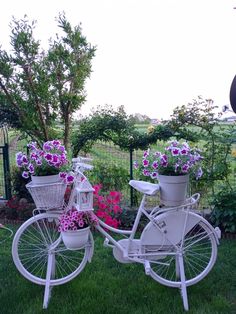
(145, 187)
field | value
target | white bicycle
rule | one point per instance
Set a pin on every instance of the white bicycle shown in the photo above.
(177, 247)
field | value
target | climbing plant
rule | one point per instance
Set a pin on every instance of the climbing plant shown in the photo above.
(108, 124)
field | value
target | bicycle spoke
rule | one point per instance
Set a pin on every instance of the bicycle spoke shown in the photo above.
(39, 239)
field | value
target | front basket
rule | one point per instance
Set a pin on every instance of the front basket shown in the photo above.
(47, 196)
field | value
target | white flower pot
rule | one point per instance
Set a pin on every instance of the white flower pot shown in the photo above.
(75, 239)
(38, 180)
(173, 189)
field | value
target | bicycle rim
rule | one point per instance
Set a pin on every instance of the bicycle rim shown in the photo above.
(199, 255)
(31, 246)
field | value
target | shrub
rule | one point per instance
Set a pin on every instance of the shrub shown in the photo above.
(127, 218)
(18, 185)
(112, 176)
(224, 212)
(18, 209)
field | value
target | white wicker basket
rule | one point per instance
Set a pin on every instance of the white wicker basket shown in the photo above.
(47, 196)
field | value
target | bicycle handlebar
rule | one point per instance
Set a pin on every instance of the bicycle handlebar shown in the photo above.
(81, 164)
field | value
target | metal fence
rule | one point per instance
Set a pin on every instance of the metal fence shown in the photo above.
(113, 168)
(5, 188)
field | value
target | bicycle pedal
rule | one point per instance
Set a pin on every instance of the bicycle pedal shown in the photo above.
(106, 243)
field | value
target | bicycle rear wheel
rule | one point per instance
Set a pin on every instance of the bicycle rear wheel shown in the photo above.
(35, 240)
(199, 255)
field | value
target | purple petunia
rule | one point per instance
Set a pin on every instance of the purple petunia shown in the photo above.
(47, 146)
(74, 220)
(42, 161)
(155, 164)
(145, 162)
(146, 173)
(25, 174)
(183, 151)
(185, 168)
(175, 151)
(177, 159)
(154, 175)
(146, 153)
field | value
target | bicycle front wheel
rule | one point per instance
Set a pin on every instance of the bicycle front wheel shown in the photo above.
(35, 240)
(199, 252)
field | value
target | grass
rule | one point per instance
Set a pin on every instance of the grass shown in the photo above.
(108, 287)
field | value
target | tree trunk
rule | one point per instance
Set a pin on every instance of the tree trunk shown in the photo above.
(67, 129)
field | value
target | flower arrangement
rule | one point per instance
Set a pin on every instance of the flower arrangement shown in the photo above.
(107, 206)
(177, 159)
(51, 159)
(75, 220)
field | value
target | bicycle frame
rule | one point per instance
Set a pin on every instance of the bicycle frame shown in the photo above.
(139, 257)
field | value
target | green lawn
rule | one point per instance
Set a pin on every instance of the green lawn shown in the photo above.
(107, 287)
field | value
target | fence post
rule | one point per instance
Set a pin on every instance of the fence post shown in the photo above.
(131, 176)
(6, 166)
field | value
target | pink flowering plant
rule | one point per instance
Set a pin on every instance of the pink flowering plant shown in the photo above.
(176, 159)
(48, 160)
(75, 220)
(107, 206)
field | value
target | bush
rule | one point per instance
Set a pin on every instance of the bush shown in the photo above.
(224, 212)
(127, 218)
(112, 176)
(18, 185)
(18, 209)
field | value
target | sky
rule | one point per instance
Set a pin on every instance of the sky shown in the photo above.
(152, 55)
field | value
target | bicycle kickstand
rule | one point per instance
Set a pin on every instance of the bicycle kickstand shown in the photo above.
(48, 288)
(183, 283)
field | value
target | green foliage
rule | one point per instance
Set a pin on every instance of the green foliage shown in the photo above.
(20, 206)
(18, 184)
(198, 120)
(107, 124)
(111, 176)
(224, 212)
(36, 86)
(127, 218)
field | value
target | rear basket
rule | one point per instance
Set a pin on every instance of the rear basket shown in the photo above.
(47, 196)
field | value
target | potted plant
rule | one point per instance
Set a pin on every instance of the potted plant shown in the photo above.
(75, 226)
(46, 164)
(172, 169)
(47, 168)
